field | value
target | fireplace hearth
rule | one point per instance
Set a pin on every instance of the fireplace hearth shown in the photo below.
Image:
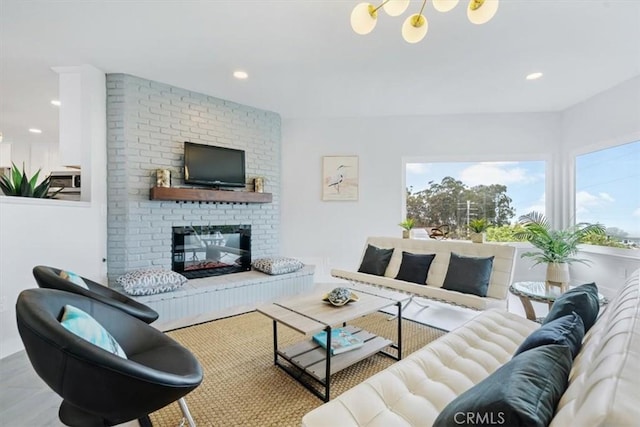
(211, 250)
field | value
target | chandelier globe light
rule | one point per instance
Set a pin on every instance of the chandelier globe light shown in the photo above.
(415, 28)
(481, 11)
(444, 5)
(364, 16)
(395, 7)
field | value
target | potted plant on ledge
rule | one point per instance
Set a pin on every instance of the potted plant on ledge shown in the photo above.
(18, 184)
(407, 225)
(556, 248)
(478, 229)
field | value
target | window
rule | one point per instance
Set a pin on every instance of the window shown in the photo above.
(607, 191)
(456, 193)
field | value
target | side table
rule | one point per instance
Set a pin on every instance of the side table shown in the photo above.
(537, 291)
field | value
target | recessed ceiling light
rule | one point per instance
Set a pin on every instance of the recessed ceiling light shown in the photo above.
(34, 130)
(241, 75)
(534, 76)
(55, 102)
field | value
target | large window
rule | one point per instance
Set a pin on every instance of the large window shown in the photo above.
(608, 192)
(456, 193)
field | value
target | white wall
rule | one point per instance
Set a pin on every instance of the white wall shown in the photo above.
(609, 118)
(64, 234)
(34, 156)
(332, 234)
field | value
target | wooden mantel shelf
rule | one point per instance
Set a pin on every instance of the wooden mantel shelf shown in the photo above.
(208, 195)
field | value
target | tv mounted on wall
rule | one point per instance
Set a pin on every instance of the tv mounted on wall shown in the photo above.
(213, 166)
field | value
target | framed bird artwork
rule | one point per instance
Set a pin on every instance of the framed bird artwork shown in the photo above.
(340, 178)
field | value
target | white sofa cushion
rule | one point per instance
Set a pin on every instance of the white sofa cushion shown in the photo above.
(438, 293)
(412, 392)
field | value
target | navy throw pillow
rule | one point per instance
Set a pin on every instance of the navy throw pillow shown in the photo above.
(523, 392)
(469, 275)
(566, 330)
(415, 267)
(375, 260)
(582, 299)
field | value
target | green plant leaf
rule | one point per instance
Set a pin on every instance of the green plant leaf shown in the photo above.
(16, 177)
(25, 187)
(43, 188)
(34, 179)
(554, 245)
(7, 186)
(408, 223)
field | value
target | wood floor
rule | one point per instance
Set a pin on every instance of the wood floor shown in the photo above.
(26, 401)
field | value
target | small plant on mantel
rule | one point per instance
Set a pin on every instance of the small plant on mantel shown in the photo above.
(407, 225)
(19, 185)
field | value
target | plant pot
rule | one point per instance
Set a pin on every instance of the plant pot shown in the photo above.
(406, 234)
(477, 237)
(558, 276)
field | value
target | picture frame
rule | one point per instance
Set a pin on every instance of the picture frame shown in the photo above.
(340, 178)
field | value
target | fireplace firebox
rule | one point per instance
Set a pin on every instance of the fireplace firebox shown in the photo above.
(211, 250)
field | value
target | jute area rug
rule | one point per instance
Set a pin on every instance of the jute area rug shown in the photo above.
(242, 386)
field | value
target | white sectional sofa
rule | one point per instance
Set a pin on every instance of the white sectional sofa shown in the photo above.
(501, 275)
(603, 385)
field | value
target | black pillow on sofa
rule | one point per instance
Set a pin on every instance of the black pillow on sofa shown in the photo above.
(566, 330)
(523, 392)
(469, 275)
(415, 267)
(375, 260)
(582, 299)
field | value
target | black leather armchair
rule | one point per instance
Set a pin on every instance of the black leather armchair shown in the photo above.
(49, 277)
(99, 388)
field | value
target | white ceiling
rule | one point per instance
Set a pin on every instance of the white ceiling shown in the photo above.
(305, 61)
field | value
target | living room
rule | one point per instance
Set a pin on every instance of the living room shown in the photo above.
(385, 138)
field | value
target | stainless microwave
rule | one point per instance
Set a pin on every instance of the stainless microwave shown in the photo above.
(69, 180)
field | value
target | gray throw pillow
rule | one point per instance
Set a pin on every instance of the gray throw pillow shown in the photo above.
(415, 267)
(277, 265)
(375, 260)
(524, 392)
(151, 281)
(582, 299)
(469, 275)
(566, 330)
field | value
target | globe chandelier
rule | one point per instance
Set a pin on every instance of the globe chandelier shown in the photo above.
(365, 15)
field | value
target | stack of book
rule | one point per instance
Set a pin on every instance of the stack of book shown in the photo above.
(341, 340)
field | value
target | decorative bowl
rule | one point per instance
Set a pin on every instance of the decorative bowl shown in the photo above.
(340, 296)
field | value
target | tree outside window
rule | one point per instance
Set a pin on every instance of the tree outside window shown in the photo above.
(456, 193)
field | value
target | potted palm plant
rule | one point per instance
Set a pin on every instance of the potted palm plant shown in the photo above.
(407, 225)
(556, 248)
(478, 229)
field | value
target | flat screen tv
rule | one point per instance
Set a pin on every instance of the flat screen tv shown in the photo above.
(213, 166)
